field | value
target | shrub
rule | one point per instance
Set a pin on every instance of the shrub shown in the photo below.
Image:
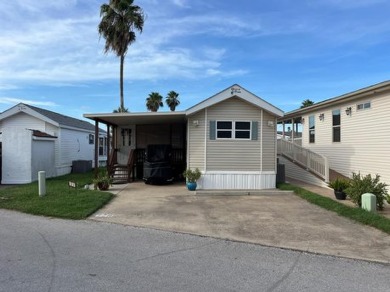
(339, 184)
(360, 185)
(192, 175)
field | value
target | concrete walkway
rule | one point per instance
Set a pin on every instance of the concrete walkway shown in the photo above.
(284, 221)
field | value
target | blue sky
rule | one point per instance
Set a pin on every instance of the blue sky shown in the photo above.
(283, 51)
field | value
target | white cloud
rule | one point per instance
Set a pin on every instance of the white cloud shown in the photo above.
(181, 3)
(12, 100)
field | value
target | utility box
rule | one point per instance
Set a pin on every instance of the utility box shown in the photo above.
(81, 166)
(281, 173)
(369, 202)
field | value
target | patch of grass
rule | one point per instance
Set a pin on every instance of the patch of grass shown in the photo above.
(359, 215)
(60, 200)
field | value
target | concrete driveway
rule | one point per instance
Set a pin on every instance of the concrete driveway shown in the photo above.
(274, 220)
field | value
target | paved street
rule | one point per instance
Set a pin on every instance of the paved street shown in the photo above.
(43, 254)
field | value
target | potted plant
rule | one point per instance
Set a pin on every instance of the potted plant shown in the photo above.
(339, 185)
(102, 181)
(192, 176)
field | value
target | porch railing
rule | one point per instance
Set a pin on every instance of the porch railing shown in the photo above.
(314, 162)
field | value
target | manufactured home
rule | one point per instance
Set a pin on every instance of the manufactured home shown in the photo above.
(33, 139)
(230, 137)
(345, 134)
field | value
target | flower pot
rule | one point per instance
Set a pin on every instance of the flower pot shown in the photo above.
(340, 195)
(103, 186)
(191, 186)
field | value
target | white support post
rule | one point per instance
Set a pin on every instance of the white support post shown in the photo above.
(326, 170)
(42, 183)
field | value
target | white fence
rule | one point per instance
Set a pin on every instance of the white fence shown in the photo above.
(310, 160)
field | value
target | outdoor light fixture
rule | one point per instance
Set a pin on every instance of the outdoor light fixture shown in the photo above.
(302, 120)
(235, 90)
(321, 116)
(195, 123)
(348, 111)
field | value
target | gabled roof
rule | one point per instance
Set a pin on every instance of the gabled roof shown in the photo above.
(236, 91)
(360, 93)
(53, 118)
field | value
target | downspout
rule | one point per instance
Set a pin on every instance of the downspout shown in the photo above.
(108, 150)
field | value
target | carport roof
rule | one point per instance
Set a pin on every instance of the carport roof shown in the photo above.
(140, 118)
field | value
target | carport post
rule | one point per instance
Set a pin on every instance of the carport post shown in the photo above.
(42, 183)
(96, 148)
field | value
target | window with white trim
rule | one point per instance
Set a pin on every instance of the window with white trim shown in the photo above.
(336, 123)
(312, 129)
(102, 146)
(233, 130)
(363, 106)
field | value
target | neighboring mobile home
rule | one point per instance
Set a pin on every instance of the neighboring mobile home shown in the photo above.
(230, 137)
(34, 139)
(351, 130)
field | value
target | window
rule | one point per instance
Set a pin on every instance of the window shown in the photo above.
(91, 138)
(363, 106)
(102, 146)
(233, 130)
(312, 129)
(336, 125)
(224, 130)
(126, 137)
(243, 130)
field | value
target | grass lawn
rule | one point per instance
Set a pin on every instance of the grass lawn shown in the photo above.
(354, 213)
(60, 200)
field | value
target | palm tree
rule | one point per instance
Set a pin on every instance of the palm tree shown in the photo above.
(121, 110)
(119, 20)
(306, 103)
(154, 101)
(172, 100)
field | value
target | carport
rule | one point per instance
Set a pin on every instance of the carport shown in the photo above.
(130, 133)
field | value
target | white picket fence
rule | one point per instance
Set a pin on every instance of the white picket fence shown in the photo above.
(308, 159)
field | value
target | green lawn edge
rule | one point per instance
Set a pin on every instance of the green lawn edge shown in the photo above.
(356, 214)
(60, 201)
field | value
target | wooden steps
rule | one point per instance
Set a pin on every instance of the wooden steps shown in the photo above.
(122, 173)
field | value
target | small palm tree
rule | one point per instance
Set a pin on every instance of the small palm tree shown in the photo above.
(172, 100)
(306, 103)
(119, 20)
(121, 110)
(154, 101)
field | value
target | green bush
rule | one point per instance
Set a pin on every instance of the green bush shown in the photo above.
(360, 185)
(339, 184)
(192, 175)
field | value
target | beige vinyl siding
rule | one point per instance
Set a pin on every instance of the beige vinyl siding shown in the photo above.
(269, 142)
(196, 140)
(365, 137)
(234, 155)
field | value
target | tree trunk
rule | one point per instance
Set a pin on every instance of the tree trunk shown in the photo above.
(122, 103)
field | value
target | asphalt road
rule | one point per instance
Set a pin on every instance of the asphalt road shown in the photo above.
(43, 254)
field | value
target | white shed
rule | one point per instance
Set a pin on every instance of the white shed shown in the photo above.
(35, 139)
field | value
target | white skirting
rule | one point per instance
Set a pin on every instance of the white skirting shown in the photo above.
(237, 180)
